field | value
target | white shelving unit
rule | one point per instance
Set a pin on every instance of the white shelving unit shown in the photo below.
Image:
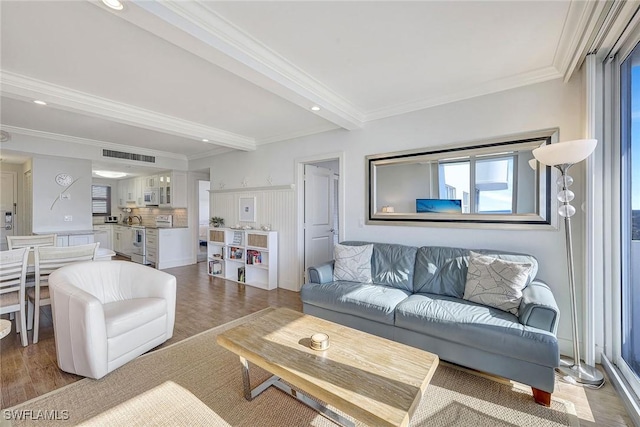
(244, 256)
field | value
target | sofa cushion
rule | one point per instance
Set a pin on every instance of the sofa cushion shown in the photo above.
(123, 316)
(373, 302)
(391, 264)
(443, 271)
(495, 282)
(352, 263)
(479, 326)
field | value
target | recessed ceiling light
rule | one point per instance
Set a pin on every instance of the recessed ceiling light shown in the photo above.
(110, 174)
(113, 4)
(205, 140)
(37, 101)
(315, 108)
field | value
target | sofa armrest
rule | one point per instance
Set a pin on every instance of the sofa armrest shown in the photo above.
(538, 307)
(322, 273)
(79, 329)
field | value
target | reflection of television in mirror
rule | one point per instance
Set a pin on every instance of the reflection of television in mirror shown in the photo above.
(438, 206)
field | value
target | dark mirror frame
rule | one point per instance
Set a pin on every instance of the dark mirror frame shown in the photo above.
(545, 202)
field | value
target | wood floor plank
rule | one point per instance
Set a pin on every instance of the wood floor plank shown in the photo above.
(203, 302)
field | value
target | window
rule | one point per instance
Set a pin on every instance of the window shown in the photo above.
(630, 216)
(101, 200)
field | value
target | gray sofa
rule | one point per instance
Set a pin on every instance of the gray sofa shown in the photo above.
(416, 299)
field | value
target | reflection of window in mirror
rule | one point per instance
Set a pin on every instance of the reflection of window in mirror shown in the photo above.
(493, 183)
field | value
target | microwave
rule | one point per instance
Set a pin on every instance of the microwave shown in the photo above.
(151, 197)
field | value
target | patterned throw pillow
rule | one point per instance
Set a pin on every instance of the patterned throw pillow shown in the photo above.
(495, 282)
(352, 263)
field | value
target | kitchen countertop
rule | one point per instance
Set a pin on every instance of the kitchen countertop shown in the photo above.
(66, 232)
(138, 225)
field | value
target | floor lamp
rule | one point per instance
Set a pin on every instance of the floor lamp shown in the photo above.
(563, 155)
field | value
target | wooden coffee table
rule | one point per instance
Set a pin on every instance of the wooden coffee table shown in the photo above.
(375, 380)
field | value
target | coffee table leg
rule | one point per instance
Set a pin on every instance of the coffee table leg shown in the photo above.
(275, 381)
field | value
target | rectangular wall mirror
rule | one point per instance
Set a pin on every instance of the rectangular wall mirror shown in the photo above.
(491, 184)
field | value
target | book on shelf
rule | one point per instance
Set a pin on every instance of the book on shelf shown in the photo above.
(235, 253)
(215, 267)
(254, 257)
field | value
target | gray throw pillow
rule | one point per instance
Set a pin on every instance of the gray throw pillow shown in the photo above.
(352, 263)
(495, 282)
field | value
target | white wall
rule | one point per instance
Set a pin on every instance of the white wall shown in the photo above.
(545, 105)
(49, 214)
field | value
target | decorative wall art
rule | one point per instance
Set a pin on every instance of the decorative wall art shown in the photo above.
(247, 209)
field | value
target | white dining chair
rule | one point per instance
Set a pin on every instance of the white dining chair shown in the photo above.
(13, 272)
(47, 260)
(16, 242)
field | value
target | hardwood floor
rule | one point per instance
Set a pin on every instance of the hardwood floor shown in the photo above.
(203, 302)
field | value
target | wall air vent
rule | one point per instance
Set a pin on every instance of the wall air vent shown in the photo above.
(128, 156)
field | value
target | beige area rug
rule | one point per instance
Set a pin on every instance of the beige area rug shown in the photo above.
(454, 397)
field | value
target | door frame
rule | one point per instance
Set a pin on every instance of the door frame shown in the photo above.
(16, 198)
(299, 202)
(193, 203)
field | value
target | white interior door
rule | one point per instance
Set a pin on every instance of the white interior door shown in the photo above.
(318, 215)
(8, 206)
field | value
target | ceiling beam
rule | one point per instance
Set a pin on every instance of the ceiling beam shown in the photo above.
(200, 31)
(26, 88)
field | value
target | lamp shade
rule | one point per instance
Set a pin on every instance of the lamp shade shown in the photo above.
(567, 152)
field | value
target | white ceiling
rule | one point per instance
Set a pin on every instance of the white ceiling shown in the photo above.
(165, 75)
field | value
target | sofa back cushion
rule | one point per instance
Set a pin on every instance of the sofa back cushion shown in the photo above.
(443, 271)
(392, 265)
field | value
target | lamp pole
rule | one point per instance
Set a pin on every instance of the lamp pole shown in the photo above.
(581, 373)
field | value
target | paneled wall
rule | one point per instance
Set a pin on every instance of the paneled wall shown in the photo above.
(275, 207)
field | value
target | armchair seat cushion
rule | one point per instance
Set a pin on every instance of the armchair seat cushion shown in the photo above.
(373, 302)
(123, 316)
(483, 327)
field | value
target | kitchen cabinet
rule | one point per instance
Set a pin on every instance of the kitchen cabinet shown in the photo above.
(151, 181)
(80, 239)
(172, 189)
(138, 191)
(168, 247)
(123, 189)
(104, 235)
(131, 192)
(151, 245)
(74, 239)
(122, 240)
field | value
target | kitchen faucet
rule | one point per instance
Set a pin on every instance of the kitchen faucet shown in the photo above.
(139, 217)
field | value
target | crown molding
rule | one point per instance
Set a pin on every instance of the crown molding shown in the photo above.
(93, 142)
(23, 87)
(581, 25)
(251, 59)
(545, 74)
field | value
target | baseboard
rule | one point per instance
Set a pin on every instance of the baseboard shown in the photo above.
(627, 395)
(175, 263)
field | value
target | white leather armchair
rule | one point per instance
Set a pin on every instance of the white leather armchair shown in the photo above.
(107, 313)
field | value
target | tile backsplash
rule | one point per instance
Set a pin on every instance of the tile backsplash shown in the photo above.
(180, 217)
